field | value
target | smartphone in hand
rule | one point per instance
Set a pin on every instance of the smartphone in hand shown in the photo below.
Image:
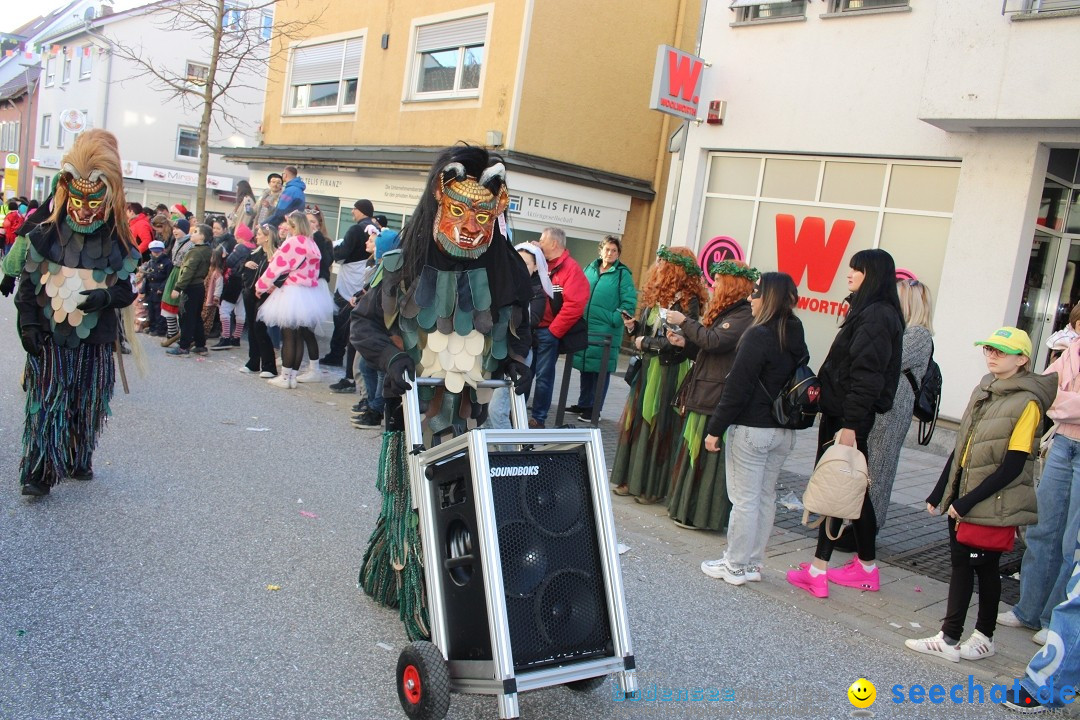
(625, 314)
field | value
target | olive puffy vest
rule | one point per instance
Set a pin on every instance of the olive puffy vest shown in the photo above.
(992, 412)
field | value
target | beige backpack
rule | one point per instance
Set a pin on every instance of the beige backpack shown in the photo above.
(837, 487)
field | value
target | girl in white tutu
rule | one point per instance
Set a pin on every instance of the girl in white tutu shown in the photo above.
(296, 303)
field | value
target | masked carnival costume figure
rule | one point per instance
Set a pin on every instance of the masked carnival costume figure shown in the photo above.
(77, 273)
(452, 303)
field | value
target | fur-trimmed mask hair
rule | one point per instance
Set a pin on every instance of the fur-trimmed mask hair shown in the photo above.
(468, 209)
(91, 185)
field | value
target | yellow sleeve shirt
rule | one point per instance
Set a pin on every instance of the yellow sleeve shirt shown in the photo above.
(1023, 434)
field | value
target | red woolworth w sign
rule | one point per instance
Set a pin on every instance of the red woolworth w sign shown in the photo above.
(676, 85)
(809, 253)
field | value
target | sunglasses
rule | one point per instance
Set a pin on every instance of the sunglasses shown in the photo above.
(756, 294)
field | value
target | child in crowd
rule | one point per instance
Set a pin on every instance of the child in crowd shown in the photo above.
(988, 484)
(214, 285)
(155, 272)
(232, 305)
(170, 308)
(189, 282)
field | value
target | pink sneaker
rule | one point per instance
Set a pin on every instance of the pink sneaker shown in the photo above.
(853, 575)
(801, 578)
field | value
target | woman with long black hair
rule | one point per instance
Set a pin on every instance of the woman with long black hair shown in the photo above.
(858, 381)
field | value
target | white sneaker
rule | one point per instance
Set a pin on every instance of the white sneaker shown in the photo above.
(266, 375)
(310, 376)
(1009, 619)
(280, 382)
(976, 647)
(935, 646)
(1039, 638)
(753, 573)
(720, 569)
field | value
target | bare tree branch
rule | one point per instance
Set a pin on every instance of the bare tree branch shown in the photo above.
(238, 54)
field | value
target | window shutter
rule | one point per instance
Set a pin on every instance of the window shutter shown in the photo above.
(317, 63)
(452, 34)
(354, 51)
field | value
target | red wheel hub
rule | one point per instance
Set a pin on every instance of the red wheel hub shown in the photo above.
(410, 681)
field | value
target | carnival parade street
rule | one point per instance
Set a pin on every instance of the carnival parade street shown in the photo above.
(209, 571)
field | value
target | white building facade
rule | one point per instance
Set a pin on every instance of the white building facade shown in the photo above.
(944, 132)
(84, 84)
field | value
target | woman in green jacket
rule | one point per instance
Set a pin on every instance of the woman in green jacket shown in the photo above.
(611, 294)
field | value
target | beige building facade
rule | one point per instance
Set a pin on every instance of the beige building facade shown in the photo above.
(362, 103)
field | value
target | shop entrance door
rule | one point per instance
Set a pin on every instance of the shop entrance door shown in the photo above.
(1051, 290)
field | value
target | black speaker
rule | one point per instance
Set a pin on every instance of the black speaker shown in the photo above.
(550, 558)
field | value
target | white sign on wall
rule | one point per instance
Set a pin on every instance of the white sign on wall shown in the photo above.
(181, 177)
(567, 213)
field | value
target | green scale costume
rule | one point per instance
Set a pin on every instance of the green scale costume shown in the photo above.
(450, 304)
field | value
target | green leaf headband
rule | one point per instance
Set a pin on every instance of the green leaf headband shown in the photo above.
(687, 264)
(730, 267)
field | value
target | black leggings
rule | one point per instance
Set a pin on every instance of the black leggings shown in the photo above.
(865, 528)
(293, 341)
(967, 564)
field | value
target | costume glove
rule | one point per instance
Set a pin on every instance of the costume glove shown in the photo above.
(95, 300)
(399, 371)
(32, 339)
(520, 374)
(7, 285)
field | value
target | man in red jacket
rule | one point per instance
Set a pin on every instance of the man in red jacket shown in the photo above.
(564, 310)
(140, 228)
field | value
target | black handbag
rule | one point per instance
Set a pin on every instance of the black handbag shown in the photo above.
(633, 369)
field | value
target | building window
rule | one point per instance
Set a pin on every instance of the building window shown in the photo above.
(67, 69)
(39, 188)
(325, 78)
(9, 136)
(187, 143)
(839, 6)
(86, 61)
(233, 19)
(751, 10)
(61, 135)
(50, 71)
(266, 25)
(449, 58)
(197, 73)
(46, 130)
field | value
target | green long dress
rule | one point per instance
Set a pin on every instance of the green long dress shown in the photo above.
(649, 429)
(699, 497)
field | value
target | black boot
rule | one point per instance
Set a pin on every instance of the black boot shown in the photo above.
(86, 473)
(35, 485)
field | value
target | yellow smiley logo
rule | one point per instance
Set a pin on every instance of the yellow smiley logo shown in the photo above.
(862, 693)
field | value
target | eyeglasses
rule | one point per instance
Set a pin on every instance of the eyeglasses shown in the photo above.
(991, 351)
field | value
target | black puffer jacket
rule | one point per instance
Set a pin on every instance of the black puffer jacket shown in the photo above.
(757, 376)
(861, 372)
(713, 350)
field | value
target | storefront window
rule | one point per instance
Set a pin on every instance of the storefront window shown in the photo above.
(1052, 206)
(813, 214)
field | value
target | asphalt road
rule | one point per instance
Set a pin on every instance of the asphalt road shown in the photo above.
(148, 592)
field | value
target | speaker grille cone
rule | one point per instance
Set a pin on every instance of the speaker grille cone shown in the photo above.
(567, 608)
(524, 558)
(554, 507)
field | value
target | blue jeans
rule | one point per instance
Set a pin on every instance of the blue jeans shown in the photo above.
(373, 380)
(1058, 662)
(547, 352)
(752, 461)
(1048, 559)
(587, 395)
(499, 408)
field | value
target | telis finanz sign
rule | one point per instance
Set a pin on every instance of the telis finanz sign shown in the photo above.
(676, 85)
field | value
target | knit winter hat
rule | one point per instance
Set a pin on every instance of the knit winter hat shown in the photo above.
(243, 233)
(385, 241)
(184, 225)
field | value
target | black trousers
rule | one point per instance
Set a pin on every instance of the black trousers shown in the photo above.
(865, 528)
(967, 564)
(260, 349)
(339, 340)
(192, 332)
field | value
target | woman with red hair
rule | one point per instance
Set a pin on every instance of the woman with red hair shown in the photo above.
(649, 428)
(699, 499)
